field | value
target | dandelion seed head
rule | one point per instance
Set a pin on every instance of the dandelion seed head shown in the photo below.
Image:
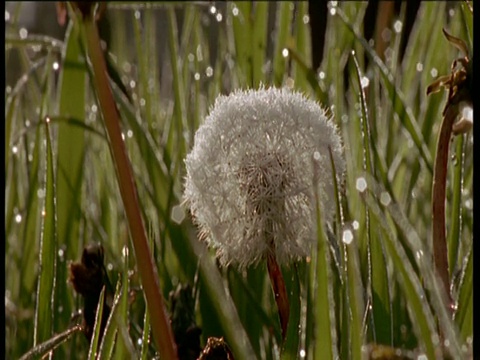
(250, 174)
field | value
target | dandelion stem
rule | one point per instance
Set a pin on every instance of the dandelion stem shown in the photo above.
(279, 290)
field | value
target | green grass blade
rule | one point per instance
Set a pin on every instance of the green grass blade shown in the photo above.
(404, 112)
(302, 45)
(92, 351)
(292, 338)
(213, 285)
(454, 233)
(464, 314)
(107, 344)
(325, 346)
(242, 32)
(44, 310)
(41, 350)
(259, 41)
(71, 141)
(282, 29)
(70, 160)
(424, 323)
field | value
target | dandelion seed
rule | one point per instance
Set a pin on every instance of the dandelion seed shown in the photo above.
(250, 175)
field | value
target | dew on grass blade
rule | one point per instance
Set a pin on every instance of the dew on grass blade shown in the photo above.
(347, 236)
(361, 184)
(385, 198)
(397, 26)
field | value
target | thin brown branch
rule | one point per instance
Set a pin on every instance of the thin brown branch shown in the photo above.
(162, 332)
(438, 198)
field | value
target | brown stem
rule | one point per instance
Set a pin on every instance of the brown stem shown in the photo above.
(161, 329)
(280, 291)
(438, 198)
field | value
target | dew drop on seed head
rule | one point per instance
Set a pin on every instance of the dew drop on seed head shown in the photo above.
(355, 225)
(218, 17)
(434, 72)
(235, 11)
(18, 218)
(285, 52)
(419, 67)
(316, 155)
(302, 353)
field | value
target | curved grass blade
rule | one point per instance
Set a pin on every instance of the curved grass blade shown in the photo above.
(44, 348)
(44, 310)
(404, 112)
(431, 282)
(417, 305)
(213, 285)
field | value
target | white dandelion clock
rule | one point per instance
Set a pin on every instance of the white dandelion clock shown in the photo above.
(250, 175)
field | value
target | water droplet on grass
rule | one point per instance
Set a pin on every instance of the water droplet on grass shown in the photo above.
(23, 33)
(397, 26)
(361, 184)
(347, 236)
(385, 198)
